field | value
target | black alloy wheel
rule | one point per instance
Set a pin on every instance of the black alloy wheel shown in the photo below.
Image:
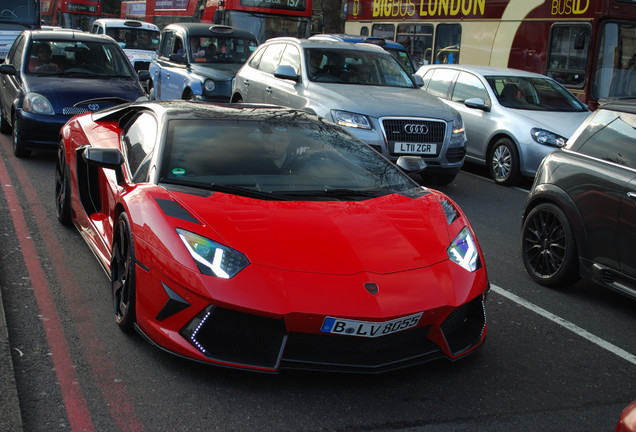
(548, 247)
(62, 187)
(122, 274)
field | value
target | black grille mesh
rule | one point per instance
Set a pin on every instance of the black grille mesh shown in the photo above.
(464, 327)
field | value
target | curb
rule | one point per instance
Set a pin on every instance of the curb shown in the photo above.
(10, 414)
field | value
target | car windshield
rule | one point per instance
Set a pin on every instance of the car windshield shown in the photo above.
(530, 93)
(224, 49)
(135, 38)
(351, 66)
(274, 159)
(77, 59)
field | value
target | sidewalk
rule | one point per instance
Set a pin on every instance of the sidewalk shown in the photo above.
(10, 417)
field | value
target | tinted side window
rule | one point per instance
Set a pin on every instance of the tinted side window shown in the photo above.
(441, 82)
(271, 57)
(613, 141)
(138, 143)
(167, 42)
(256, 58)
(468, 86)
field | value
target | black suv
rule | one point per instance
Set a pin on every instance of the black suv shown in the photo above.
(580, 217)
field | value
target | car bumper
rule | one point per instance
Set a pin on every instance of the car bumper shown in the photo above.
(38, 131)
(531, 155)
(248, 325)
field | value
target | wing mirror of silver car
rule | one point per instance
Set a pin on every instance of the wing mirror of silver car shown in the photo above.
(411, 164)
(286, 72)
(477, 103)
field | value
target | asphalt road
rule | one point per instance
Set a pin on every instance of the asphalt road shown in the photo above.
(554, 360)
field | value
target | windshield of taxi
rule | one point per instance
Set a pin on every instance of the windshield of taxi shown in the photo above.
(530, 93)
(276, 159)
(134, 38)
(77, 58)
(351, 66)
(224, 49)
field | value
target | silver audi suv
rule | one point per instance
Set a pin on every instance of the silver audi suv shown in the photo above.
(365, 90)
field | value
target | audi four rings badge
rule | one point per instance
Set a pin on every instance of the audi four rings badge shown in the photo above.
(416, 129)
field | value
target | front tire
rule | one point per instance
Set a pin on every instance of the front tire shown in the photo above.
(18, 146)
(62, 187)
(5, 127)
(122, 274)
(503, 162)
(548, 247)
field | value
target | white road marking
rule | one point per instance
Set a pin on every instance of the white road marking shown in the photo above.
(568, 325)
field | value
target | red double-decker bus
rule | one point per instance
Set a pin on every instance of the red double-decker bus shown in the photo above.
(75, 14)
(264, 18)
(588, 45)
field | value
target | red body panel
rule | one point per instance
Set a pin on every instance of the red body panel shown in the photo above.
(308, 259)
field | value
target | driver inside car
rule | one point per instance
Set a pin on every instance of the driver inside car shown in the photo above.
(42, 62)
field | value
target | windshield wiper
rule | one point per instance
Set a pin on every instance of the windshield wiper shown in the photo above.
(230, 189)
(337, 193)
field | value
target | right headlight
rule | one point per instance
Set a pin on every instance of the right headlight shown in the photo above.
(545, 137)
(349, 119)
(463, 251)
(212, 258)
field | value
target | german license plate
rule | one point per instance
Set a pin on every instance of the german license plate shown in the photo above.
(414, 148)
(367, 328)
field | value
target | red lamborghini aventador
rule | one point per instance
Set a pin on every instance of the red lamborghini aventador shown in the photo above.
(264, 238)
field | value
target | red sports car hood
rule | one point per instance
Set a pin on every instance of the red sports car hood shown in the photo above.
(382, 235)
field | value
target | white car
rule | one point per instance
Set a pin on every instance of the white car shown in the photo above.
(139, 39)
(513, 118)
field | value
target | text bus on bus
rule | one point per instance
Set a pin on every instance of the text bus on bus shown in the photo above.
(587, 45)
(264, 18)
(72, 14)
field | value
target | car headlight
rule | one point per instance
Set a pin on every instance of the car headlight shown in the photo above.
(545, 137)
(213, 259)
(349, 119)
(37, 104)
(458, 126)
(463, 251)
(209, 85)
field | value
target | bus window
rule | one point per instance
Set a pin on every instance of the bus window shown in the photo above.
(615, 72)
(418, 41)
(447, 39)
(568, 53)
(385, 31)
(364, 31)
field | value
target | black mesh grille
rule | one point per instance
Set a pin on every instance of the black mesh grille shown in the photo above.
(414, 131)
(464, 327)
(455, 154)
(237, 337)
(348, 353)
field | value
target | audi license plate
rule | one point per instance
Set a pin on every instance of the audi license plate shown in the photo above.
(414, 148)
(369, 329)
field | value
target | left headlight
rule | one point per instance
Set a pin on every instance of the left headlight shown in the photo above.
(209, 85)
(463, 251)
(349, 119)
(545, 137)
(37, 104)
(212, 258)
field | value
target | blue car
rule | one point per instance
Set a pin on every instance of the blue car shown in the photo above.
(198, 61)
(49, 76)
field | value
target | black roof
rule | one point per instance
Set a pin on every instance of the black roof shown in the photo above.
(203, 29)
(66, 35)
